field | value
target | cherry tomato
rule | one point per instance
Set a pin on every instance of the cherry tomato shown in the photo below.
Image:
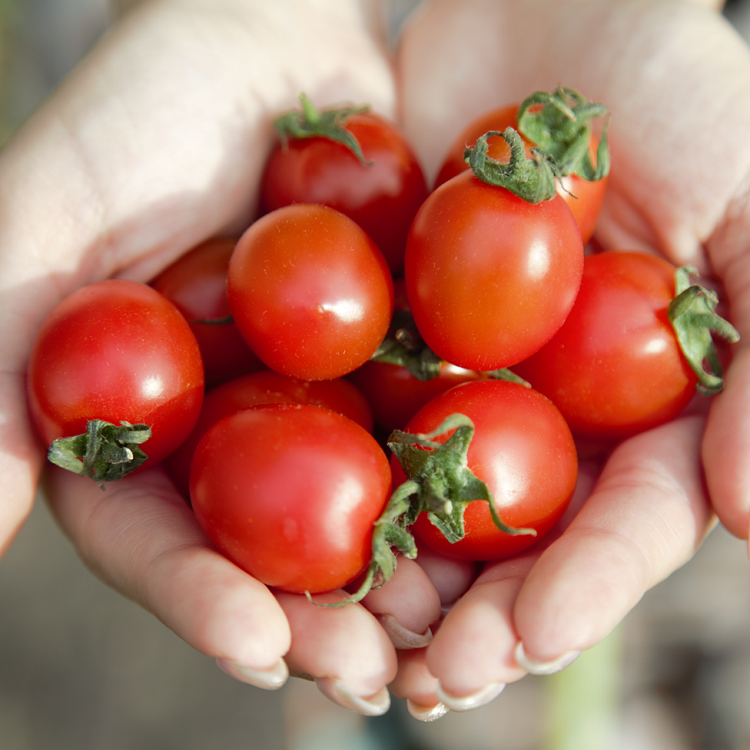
(615, 367)
(382, 196)
(290, 494)
(489, 277)
(266, 387)
(310, 292)
(196, 284)
(116, 351)
(521, 448)
(584, 197)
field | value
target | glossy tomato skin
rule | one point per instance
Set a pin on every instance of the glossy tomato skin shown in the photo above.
(395, 395)
(584, 198)
(615, 367)
(118, 351)
(310, 292)
(290, 494)
(266, 387)
(489, 277)
(382, 197)
(521, 448)
(196, 284)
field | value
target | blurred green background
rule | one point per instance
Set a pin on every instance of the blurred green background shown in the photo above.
(81, 668)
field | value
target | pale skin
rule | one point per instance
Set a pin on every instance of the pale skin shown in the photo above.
(156, 143)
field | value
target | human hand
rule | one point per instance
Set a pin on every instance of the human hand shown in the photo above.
(153, 144)
(676, 79)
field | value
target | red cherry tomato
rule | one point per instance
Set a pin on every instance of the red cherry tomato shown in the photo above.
(290, 494)
(521, 448)
(310, 292)
(266, 387)
(116, 351)
(382, 196)
(489, 277)
(196, 284)
(584, 197)
(615, 367)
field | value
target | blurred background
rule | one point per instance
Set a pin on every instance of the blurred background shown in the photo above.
(81, 668)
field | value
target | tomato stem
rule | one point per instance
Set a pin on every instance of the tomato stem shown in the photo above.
(560, 123)
(313, 123)
(693, 317)
(105, 452)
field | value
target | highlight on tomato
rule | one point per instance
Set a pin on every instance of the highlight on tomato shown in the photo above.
(196, 283)
(493, 466)
(290, 493)
(634, 349)
(493, 260)
(561, 123)
(257, 389)
(350, 159)
(115, 378)
(310, 292)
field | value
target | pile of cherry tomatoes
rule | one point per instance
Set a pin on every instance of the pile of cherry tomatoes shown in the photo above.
(335, 382)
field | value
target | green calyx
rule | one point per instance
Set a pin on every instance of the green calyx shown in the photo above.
(530, 178)
(327, 123)
(693, 317)
(440, 481)
(561, 124)
(104, 453)
(404, 347)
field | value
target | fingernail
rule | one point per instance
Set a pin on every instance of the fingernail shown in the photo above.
(401, 637)
(426, 713)
(268, 679)
(334, 690)
(470, 702)
(543, 667)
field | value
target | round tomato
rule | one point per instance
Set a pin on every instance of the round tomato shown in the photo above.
(310, 292)
(381, 193)
(615, 367)
(196, 284)
(116, 351)
(490, 277)
(290, 494)
(584, 197)
(521, 448)
(266, 387)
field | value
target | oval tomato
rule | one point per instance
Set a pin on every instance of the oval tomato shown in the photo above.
(290, 494)
(116, 351)
(584, 197)
(196, 284)
(615, 367)
(310, 292)
(490, 277)
(381, 196)
(521, 448)
(266, 387)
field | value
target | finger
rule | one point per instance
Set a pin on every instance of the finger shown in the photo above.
(450, 578)
(344, 649)
(406, 605)
(646, 517)
(417, 686)
(140, 537)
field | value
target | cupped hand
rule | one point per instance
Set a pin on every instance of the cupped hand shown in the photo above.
(153, 144)
(676, 79)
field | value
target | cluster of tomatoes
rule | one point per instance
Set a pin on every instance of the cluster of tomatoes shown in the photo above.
(260, 370)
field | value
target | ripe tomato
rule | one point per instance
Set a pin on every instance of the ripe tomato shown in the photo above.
(382, 195)
(521, 448)
(615, 367)
(196, 284)
(489, 277)
(116, 351)
(290, 494)
(266, 387)
(310, 292)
